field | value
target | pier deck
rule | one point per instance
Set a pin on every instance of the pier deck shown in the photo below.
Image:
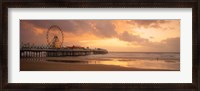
(32, 52)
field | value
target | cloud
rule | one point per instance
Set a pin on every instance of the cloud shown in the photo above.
(66, 25)
(148, 23)
(134, 39)
(35, 31)
(169, 44)
(28, 33)
(172, 44)
(99, 28)
(103, 28)
(151, 37)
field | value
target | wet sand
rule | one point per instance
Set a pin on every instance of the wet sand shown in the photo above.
(33, 65)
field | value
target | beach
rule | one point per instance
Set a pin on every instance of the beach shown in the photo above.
(38, 66)
(107, 62)
(56, 66)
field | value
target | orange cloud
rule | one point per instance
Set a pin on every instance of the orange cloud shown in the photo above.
(114, 35)
(38, 31)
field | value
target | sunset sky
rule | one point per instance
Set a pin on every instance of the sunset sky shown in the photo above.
(113, 35)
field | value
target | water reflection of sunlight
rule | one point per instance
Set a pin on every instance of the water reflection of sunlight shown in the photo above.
(139, 63)
(117, 63)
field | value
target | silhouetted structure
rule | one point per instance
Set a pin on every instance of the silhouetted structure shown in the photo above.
(55, 49)
(48, 52)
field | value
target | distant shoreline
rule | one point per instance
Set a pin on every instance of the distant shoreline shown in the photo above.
(140, 52)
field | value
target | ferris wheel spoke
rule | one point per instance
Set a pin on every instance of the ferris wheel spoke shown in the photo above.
(55, 37)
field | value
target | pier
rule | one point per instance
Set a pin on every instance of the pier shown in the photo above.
(30, 52)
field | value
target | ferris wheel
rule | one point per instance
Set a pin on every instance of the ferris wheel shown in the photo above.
(54, 37)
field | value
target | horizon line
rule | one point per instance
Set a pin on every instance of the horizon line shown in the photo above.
(136, 51)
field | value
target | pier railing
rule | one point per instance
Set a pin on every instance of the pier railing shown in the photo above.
(47, 52)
